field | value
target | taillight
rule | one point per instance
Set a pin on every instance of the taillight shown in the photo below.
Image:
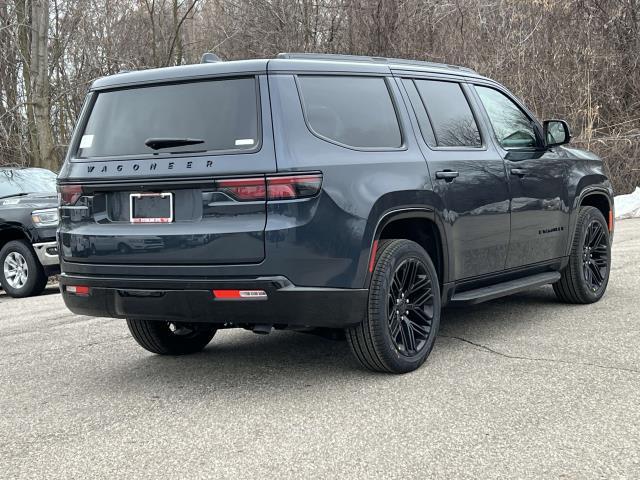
(240, 294)
(81, 290)
(69, 194)
(272, 188)
(293, 186)
(243, 189)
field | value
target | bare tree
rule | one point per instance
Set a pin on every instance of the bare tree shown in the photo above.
(576, 59)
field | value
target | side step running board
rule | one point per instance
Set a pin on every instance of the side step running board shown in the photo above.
(485, 294)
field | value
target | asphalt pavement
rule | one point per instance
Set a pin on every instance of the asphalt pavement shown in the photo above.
(521, 387)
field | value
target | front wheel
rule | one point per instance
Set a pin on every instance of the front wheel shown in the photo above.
(167, 338)
(585, 278)
(21, 274)
(403, 313)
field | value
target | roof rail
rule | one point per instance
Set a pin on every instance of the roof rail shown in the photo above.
(365, 59)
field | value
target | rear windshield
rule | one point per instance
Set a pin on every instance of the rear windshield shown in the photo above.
(220, 115)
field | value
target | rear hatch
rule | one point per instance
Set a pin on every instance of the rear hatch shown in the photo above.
(169, 174)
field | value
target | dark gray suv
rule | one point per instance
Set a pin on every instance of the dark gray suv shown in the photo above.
(321, 192)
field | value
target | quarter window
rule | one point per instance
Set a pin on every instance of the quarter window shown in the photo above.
(353, 111)
(448, 110)
(513, 129)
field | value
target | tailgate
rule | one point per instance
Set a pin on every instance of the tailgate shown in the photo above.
(169, 174)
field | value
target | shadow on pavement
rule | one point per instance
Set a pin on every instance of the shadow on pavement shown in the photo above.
(289, 359)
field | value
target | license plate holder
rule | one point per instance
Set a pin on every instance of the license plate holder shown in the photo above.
(151, 207)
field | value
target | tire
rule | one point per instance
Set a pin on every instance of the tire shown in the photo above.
(158, 337)
(18, 256)
(373, 342)
(585, 278)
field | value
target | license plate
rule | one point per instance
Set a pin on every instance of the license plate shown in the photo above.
(151, 207)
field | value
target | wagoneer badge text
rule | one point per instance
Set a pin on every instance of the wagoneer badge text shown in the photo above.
(152, 166)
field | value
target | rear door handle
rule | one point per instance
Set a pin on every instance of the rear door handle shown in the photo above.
(447, 175)
(521, 172)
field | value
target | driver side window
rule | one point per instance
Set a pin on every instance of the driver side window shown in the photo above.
(512, 127)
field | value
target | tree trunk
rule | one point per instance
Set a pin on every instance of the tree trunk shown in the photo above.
(23, 15)
(45, 155)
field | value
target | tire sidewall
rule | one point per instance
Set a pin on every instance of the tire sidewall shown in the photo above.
(381, 280)
(588, 217)
(36, 278)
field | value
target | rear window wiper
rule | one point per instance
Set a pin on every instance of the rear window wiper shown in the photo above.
(158, 143)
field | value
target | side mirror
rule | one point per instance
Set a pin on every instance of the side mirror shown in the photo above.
(556, 132)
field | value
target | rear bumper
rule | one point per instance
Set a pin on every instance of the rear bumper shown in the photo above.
(191, 300)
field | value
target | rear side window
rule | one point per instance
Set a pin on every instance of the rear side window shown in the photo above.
(221, 113)
(449, 113)
(352, 111)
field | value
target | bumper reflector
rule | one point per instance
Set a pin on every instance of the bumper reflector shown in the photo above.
(240, 294)
(77, 289)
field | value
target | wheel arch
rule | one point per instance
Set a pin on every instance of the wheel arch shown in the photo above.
(598, 197)
(600, 200)
(11, 232)
(418, 224)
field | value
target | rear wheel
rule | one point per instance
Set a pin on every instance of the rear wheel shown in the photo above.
(404, 310)
(167, 338)
(21, 274)
(586, 276)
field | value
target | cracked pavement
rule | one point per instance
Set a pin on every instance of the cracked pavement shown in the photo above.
(521, 387)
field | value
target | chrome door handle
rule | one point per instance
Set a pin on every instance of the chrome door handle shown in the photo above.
(447, 175)
(521, 172)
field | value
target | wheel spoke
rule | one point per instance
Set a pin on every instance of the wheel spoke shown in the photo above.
(600, 262)
(423, 282)
(588, 275)
(421, 330)
(406, 276)
(423, 316)
(403, 337)
(423, 298)
(587, 238)
(597, 275)
(394, 327)
(598, 237)
(410, 337)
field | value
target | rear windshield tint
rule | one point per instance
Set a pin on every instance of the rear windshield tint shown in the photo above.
(221, 113)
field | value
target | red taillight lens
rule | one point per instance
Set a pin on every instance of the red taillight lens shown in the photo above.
(69, 194)
(243, 189)
(240, 294)
(272, 188)
(293, 186)
(81, 290)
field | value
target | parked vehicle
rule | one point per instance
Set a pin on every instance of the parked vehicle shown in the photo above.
(28, 222)
(321, 191)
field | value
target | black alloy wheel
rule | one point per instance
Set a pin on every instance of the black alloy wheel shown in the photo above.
(410, 320)
(403, 315)
(585, 278)
(595, 255)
